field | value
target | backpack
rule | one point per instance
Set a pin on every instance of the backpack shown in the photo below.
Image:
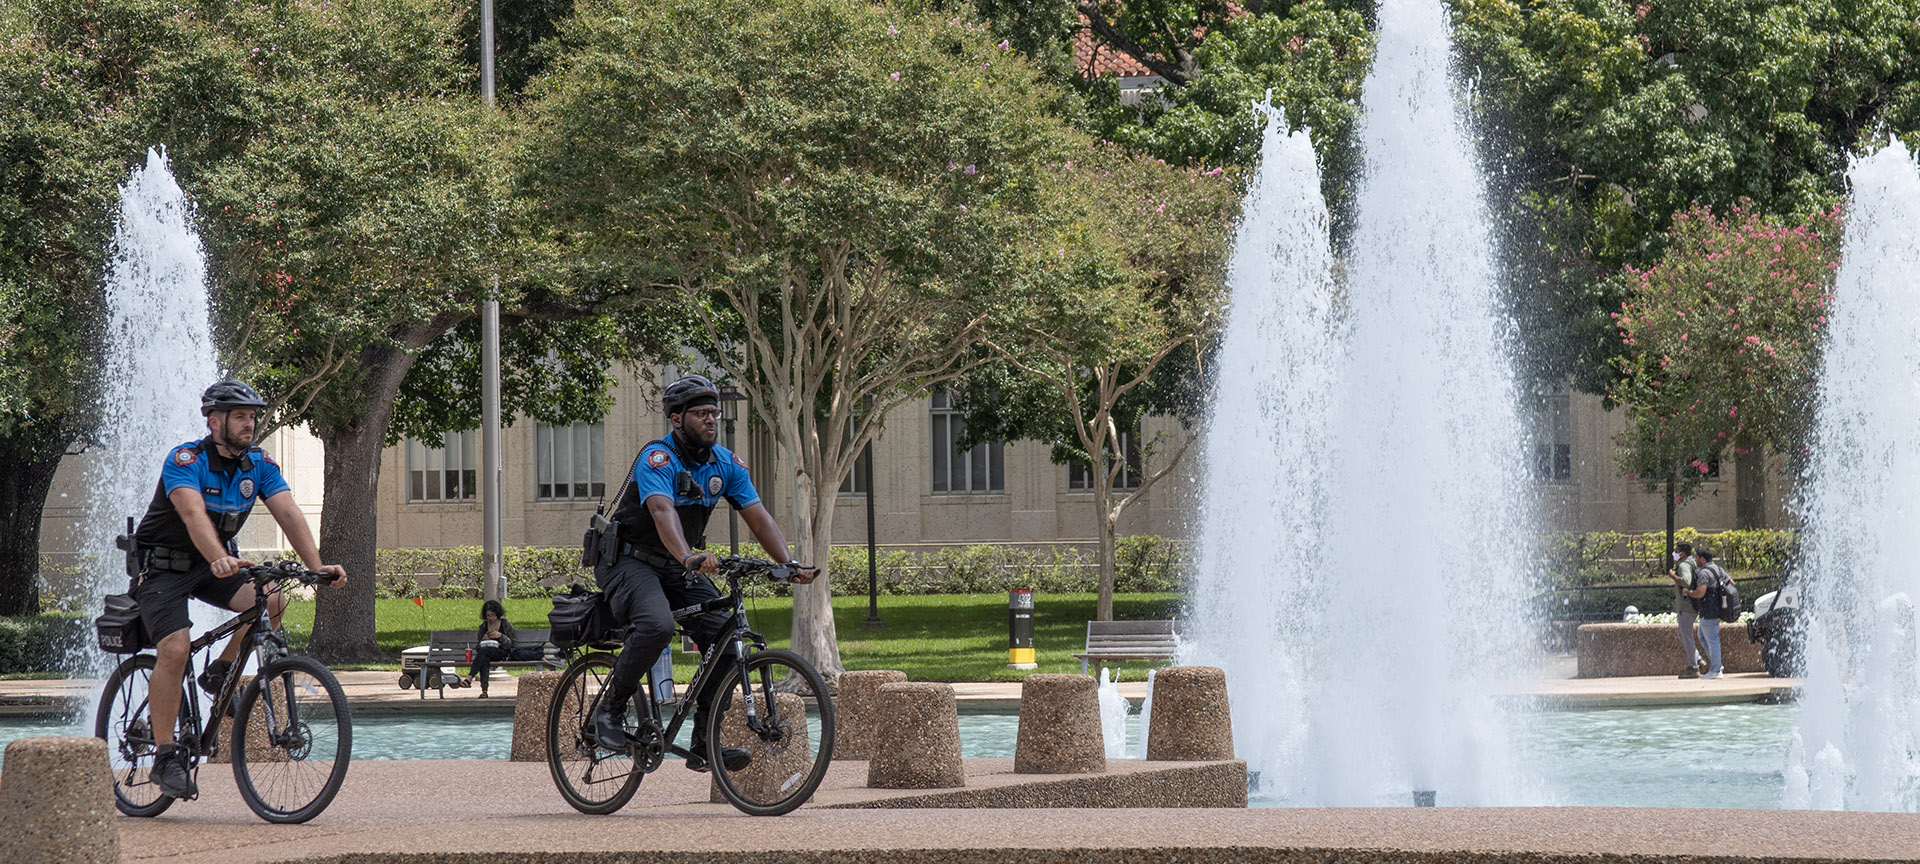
(1729, 596)
(1722, 600)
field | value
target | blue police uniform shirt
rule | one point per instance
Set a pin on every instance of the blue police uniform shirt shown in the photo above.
(228, 486)
(724, 475)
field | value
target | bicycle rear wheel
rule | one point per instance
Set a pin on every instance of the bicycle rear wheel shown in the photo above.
(124, 721)
(591, 778)
(783, 715)
(292, 741)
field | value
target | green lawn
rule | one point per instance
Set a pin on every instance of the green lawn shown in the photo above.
(945, 637)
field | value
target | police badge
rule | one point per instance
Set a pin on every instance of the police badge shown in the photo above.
(715, 484)
(246, 487)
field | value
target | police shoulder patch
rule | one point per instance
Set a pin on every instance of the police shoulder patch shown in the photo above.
(185, 456)
(657, 459)
(266, 456)
(736, 461)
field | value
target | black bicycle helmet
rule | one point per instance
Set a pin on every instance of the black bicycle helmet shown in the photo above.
(227, 395)
(687, 392)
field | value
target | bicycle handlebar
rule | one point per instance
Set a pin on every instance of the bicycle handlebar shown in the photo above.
(287, 571)
(741, 565)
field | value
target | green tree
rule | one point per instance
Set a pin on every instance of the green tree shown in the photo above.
(1134, 291)
(842, 189)
(354, 204)
(64, 151)
(1722, 340)
(1602, 121)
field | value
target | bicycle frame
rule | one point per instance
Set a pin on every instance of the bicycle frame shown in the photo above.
(735, 643)
(266, 643)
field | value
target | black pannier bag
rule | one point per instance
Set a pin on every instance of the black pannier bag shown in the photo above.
(119, 627)
(579, 617)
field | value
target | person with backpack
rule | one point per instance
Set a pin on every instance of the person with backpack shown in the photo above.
(1682, 576)
(1706, 592)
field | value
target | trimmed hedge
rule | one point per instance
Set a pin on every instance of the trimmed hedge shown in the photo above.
(1144, 563)
(42, 644)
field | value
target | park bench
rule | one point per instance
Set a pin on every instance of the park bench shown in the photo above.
(448, 651)
(1114, 641)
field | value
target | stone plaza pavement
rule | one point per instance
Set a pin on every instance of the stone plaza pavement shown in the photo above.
(509, 813)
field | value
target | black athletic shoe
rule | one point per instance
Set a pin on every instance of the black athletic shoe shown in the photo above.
(610, 724)
(734, 758)
(170, 772)
(215, 677)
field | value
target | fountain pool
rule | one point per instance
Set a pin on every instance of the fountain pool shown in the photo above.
(1724, 756)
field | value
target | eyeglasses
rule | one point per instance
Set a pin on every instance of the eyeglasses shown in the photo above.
(705, 412)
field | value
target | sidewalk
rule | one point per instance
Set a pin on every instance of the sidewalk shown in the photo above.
(380, 692)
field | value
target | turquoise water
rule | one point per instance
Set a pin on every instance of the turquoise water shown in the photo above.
(1694, 756)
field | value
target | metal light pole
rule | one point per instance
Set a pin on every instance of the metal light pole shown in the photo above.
(495, 582)
(873, 581)
(728, 413)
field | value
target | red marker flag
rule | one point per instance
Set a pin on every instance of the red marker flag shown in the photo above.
(420, 602)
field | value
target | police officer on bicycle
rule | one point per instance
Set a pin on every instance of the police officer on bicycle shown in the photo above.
(207, 489)
(676, 482)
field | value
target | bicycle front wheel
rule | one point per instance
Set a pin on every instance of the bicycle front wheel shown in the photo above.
(777, 708)
(291, 750)
(590, 777)
(125, 722)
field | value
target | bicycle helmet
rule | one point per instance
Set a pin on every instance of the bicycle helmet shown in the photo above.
(227, 395)
(688, 392)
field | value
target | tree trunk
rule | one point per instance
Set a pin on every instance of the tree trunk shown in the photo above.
(343, 625)
(1667, 562)
(28, 459)
(814, 635)
(1749, 486)
(1109, 526)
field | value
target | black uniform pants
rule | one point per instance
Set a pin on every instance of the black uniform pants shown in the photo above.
(644, 596)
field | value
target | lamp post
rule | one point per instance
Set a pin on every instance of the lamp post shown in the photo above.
(728, 413)
(873, 583)
(493, 580)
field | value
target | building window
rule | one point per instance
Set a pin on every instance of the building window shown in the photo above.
(446, 472)
(855, 482)
(568, 461)
(978, 469)
(1080, 477)
(1551, 436)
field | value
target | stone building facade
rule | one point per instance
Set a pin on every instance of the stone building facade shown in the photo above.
(925, 493)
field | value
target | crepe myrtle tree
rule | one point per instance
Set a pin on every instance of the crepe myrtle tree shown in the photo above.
(1130, 295)
(1721, 344)
(840, 189)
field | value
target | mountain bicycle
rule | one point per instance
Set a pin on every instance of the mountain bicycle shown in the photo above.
(292, 730)
(771, 703)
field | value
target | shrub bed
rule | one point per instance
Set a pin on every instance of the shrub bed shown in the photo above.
(41, 644)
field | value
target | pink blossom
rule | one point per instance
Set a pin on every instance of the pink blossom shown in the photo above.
(1732, 411)
(895, 76)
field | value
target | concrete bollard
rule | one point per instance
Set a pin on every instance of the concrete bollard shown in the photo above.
(1059, 726)
(530, 716)
(56, 801)
(918, 744)
(856, 711)
(772, 765)
(260, 747)
(1190, 718)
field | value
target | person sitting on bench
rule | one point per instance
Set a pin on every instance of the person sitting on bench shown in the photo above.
(495, 628)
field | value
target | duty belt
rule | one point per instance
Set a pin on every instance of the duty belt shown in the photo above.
(648, 556)
(172, 560)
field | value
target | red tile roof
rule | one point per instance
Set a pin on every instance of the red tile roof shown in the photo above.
(1097, 59)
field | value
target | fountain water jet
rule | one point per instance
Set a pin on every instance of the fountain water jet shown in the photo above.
(1860, 712)
(159, 355)
(1358, 576)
